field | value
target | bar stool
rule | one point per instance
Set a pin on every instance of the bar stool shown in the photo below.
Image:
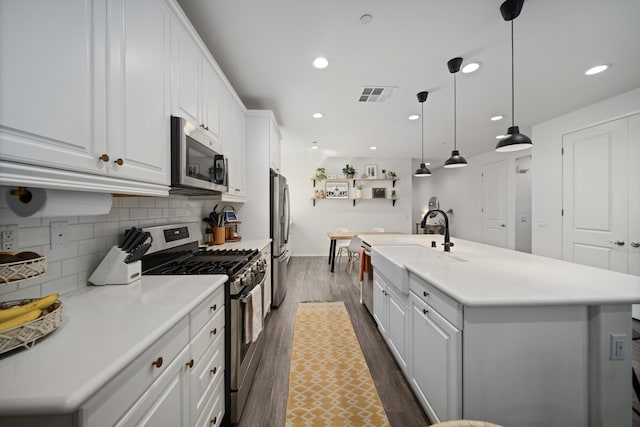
(342, 246)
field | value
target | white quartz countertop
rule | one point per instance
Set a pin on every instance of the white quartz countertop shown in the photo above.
(475, 274)
(103, 329)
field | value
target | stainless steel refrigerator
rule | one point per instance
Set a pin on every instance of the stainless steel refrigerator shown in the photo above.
(280, 236)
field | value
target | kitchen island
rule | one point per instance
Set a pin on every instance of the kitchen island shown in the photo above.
(512, 338)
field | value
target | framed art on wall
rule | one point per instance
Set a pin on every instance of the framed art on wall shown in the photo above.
(372, 171)
(337, 190)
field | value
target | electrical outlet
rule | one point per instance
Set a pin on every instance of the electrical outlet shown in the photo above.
(617, 350)
(59, 234)
(9, 238)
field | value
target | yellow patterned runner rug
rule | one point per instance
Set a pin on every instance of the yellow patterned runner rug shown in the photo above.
(329, 380)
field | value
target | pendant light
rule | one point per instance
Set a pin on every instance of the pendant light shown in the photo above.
(514, 140)
(456, 160)
(422, 170)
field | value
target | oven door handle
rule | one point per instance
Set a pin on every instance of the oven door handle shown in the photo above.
(245, 295)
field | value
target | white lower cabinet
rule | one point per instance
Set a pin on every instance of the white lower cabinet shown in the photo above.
(177, 382)
(436, 355)
(390, 312)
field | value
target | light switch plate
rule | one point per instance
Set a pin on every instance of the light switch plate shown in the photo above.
(618, 346)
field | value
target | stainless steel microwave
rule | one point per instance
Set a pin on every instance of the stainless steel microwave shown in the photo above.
(197, 164)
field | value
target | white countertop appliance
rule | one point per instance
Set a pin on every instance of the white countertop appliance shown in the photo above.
(175, 251)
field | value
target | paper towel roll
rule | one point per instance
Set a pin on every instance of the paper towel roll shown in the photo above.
(42, 202)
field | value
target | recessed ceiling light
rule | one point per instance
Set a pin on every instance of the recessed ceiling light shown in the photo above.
(314, 147)
(366, 19)
(597, 69)
(414, 117)
(500, 136)
(373, 148)
(496, 118)
(471, 67)
(320, 62)
(318, 115)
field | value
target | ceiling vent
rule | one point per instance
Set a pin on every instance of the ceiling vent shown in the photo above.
(375, 93)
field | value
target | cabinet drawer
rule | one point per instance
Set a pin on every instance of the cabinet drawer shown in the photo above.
(213, 329)
(206, 310)
(113, 400)
(214, 408)
(206, 372)
(443, 304)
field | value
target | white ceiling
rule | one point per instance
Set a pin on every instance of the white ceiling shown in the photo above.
(265, 49)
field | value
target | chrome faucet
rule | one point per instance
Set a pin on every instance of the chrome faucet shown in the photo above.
(447, 242)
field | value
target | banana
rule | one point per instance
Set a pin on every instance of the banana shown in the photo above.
(40, 304)
(17, 321)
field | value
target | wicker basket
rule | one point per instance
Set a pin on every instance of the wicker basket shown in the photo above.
(22, 270)
(26, 334)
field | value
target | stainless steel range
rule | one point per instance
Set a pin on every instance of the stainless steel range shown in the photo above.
(175, 251)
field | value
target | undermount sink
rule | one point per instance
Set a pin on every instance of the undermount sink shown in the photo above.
(390, 261)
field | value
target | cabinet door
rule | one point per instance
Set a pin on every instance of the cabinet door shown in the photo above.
(380, 304)
(186, 64)
(274, 147)
(165, 403)
(47, 85)
(234, 145)
(212, 98)
(140, 83)
(436, 357)
(397, 328)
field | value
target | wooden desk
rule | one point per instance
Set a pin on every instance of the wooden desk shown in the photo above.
(346, 235)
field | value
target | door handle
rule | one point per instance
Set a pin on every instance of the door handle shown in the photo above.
(617, 242)
(635, 244)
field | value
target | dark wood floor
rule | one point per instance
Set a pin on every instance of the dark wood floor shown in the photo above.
(310, 280)
(635, 360)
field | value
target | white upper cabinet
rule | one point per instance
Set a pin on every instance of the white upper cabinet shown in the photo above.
(274, 147)
(47, 111)
(233, 132)
(139, 83)
(197, 86)
(85, 91)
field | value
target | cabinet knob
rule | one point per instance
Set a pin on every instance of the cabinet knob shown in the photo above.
(214, 370)
(206, 127)
(202, 125)
(617, 242)
(238, 189)
(214, 331)
(635, 244)
(214, 307)
(190, 363)
(104, 158)
(118, 161)
(426, 294)
(425, 311)
(213, 421)
(157, 363)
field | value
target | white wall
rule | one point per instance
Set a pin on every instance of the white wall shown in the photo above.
(547, 166)
(310, 224)
(90, 238)
(460, 189)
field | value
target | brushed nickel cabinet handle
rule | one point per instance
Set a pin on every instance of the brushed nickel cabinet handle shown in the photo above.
(157, 363)
(104, 157)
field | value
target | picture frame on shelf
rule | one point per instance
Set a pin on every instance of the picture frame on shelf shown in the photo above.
(337, 190)
(371, 171)
(379, 193)
(331, 176)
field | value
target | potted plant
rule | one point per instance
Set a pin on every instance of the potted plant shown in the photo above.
(392, 175)
(320, 173)
(349, 171)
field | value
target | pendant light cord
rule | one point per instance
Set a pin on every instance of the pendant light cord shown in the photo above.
(455, 127)
(422, 134)
(513, 120)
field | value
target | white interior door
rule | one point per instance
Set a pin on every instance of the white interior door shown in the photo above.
(494, 203)
(634, 201)
(594, 169)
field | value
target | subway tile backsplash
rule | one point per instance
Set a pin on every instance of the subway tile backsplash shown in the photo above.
(90, 238)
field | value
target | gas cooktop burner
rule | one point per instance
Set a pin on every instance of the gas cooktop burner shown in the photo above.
(223, 261)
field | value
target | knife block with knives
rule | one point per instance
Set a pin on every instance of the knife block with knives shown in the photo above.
(122, 264)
